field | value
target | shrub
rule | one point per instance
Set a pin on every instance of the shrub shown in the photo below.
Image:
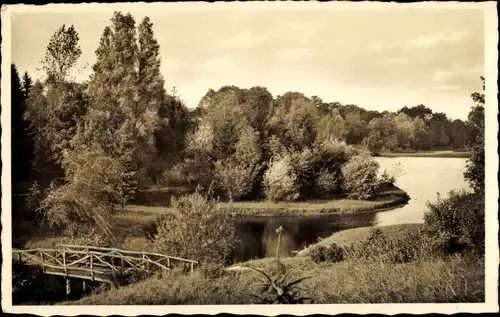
(408, 247)
(317, 254)
(457, 222)
(199, 231)
(136, 244)
(360, 177)
(78, 233)
(212, 270)
(328, 184)
(280, 181)
(331, 253)
(334, 253)
(336, 153)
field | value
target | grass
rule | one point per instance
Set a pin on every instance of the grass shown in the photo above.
(130, 228)
(351, 236)
(438, 154)
(388, 198)
(454, 279)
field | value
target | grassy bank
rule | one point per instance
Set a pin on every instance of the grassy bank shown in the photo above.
(351, 236)
(454, 279)
(387, 198)
(437, 154)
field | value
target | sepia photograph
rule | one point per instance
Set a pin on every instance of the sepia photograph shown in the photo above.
(229, 154)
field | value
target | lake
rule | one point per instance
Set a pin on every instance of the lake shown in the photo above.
(421, 177)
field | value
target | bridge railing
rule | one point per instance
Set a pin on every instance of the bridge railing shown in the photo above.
(97, 263)
(165, 260)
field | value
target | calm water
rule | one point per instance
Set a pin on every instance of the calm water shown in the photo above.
(422, 178)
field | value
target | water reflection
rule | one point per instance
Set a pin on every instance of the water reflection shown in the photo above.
(258, 236)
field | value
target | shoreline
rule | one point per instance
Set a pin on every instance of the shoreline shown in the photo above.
(428, 154)
(399, 199)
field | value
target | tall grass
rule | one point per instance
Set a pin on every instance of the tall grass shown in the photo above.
(454, 279)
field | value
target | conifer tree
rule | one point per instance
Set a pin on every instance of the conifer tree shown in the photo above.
(22, 145)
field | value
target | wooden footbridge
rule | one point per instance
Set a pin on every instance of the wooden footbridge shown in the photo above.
(96, 263)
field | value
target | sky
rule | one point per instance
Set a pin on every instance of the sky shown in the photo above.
(376, 59)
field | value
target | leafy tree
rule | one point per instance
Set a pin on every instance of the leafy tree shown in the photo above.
(294, 120)
(459, 134)
(331, 126)
(238, 173)
(382, 134)
(280, 180)
(256, 107)
(62, 54)
(356, 128)
(67, 105)
(405, 130)
(419, 111)
(174, 125)
(93, 186)
(475, 172)
(421, 135)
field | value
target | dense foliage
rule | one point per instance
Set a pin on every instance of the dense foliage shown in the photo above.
(199, 231)
(245, 143)
(457, 223)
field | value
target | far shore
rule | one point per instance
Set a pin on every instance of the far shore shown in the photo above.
(437, 154)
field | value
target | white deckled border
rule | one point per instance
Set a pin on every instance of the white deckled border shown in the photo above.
(491, 74)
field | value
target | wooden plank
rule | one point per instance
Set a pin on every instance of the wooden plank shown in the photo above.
(99, 279)
(79, 260)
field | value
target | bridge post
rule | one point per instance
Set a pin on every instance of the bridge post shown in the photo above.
(64, 263)
(43, 262)
(83, 286)
(68, 286)
(91, 266)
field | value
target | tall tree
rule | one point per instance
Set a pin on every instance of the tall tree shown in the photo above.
(62, 54)
(475, 165)
(331, 126)
(22, 143)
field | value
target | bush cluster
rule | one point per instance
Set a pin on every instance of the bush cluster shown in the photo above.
(409, 247)
(412, 246)
(199, 231)
(331, 253)
(457, 223)
(331, 169)
(212, 270)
